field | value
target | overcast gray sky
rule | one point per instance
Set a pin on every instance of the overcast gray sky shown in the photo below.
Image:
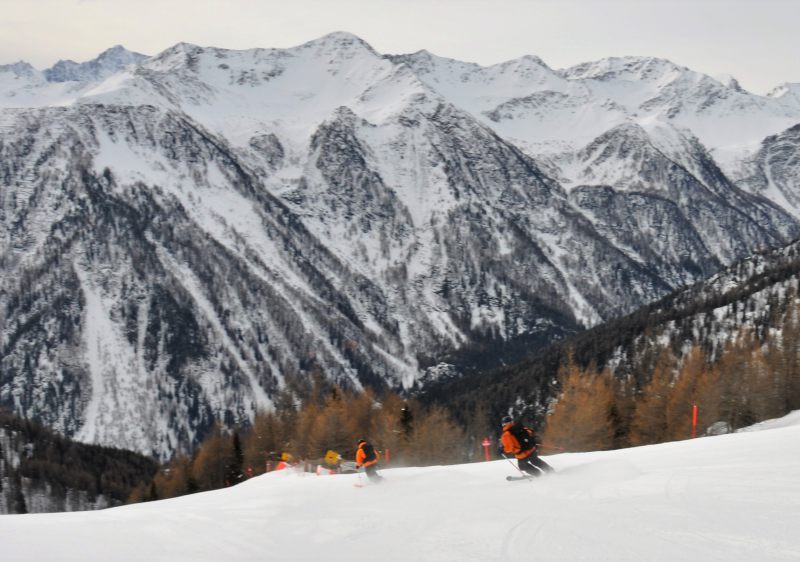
(754, 40)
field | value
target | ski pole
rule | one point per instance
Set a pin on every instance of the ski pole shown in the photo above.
(550, 446)
(515, 466)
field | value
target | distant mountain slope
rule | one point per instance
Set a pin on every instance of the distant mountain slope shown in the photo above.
(108, 63)
(773, 170)
(186, 235)
(757, 295)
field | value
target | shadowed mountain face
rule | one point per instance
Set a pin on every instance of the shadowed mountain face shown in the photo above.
(183, 238)
(773, 170)
(107, 64)
(745, 314)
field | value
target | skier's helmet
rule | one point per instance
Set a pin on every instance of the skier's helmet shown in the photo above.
(506, 420)
(360, 441)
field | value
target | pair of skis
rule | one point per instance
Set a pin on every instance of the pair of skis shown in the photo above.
(368, 482)
(516, 478)
(524, 475)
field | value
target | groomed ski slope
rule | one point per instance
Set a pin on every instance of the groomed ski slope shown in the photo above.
(733, 497)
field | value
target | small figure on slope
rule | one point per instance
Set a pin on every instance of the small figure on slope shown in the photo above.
(285, 460)
(367, 456)
(331, 464)
(333, 460)
(520, 441)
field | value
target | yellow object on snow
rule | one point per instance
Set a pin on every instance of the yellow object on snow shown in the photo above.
(332, 458)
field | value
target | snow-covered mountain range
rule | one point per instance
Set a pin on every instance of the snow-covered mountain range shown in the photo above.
(184, 235)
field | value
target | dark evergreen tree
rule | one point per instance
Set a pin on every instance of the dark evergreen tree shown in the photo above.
(19, 504)
(235, 463)
(406, 421)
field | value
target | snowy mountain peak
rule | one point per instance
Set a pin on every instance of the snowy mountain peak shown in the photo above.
(529, 69)
(729, 81)
(422, 53)
(626, 156)
(645, 69)
(788, 91)
(183, 47)
(525, 61)
(107, 63)
(118, 52)
(625, 139)
(338, 43)
(20, 69)
(425, 62)
(497, 91)
(181, 55)
(534, 59)
(18, 77)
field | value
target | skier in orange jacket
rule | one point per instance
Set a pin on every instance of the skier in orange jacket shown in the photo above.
(367, 456)
(521, 442)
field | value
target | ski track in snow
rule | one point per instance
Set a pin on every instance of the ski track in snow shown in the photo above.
(732, 497)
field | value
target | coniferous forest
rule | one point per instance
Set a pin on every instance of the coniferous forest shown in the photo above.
(42, 471)
(330, 419)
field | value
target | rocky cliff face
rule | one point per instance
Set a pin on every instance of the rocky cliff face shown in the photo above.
(108, 63)
(773, 171)
(185, 237)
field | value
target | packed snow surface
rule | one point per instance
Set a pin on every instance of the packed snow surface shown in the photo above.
(732, 497)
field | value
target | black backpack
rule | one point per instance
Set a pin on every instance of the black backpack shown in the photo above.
(525, 435)
(369, 452)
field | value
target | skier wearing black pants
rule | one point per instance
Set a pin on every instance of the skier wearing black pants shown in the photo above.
(367, 456)
(521, 442)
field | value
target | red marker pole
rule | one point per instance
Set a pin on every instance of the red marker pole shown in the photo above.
(694, 421)
(387, 455)
(486, 443)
